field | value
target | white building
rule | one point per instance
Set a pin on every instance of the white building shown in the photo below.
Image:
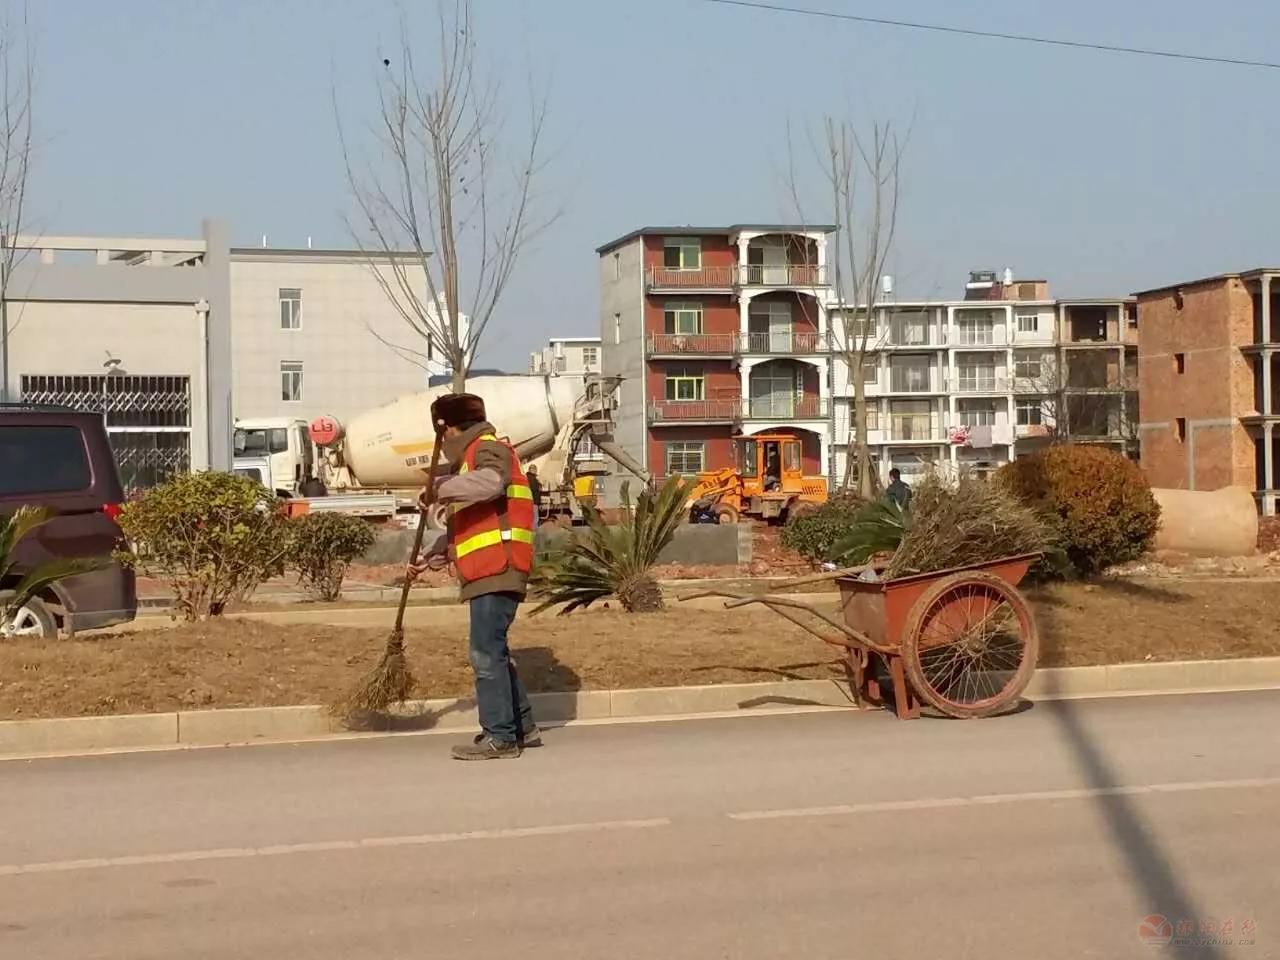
(969, 384)
(570, 356)
(174, 338)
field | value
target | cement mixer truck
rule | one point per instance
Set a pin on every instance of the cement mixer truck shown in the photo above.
(545, 418)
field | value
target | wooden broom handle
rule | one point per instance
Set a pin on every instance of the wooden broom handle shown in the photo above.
(428, 498)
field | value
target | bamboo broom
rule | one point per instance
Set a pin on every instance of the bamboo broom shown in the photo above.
(391, 680)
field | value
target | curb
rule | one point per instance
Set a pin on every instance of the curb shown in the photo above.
(191, 728)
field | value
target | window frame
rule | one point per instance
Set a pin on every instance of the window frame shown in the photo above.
(1028, 407)
(291, 368)
(672, 311)
(683, 375)
(590, 357)
(1035, 323)
(687, 448)
(682, 244)
(294, 304)
(1018, 363)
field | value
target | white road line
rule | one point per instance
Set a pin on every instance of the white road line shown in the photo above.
(935, 803)
(324, 846)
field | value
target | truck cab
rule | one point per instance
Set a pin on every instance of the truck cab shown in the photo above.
(286, 446)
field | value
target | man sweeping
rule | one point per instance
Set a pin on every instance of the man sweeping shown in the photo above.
(489, 540)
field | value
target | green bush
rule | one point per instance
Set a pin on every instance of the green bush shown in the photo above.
(213, 537)
(1099, 500)
(813, 534)
(322, 548)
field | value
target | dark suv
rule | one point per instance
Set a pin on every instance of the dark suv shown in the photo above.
(62, 460)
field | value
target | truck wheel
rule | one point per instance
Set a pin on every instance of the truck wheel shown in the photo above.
(32, 620)
(726, 514)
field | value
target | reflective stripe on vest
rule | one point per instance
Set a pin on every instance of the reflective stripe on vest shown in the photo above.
(489, 538)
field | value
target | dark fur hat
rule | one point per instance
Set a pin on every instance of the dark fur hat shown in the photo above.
(453, 409)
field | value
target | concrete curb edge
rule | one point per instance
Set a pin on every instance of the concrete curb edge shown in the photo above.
(189, 728)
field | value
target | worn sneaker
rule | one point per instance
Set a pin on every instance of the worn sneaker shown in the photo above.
(529, 737)
(486, 748)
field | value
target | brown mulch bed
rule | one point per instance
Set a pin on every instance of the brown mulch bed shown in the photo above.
(251, 663)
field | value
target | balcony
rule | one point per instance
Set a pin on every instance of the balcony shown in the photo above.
(981, 384)
(980, 436)
(723, 279)
(782, 275)
(692, 344)
(698, 278)
(782, 407)
(694, 411)
(784, 342)
(915, 380)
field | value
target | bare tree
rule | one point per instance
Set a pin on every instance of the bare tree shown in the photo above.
(862, 171)
(442, 188)
(17, 80)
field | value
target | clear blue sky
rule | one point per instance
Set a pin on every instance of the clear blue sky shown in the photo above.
(1103, 173)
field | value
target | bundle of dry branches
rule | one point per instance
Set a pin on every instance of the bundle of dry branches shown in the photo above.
(966, 523)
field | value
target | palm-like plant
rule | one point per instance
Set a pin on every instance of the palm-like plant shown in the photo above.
(30, 583)
(615, 560)
(878, 527)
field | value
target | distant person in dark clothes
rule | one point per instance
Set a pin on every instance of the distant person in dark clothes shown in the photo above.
(898, 493)
(535, 486)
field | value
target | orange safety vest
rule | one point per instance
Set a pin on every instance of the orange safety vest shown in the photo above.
(491, 537)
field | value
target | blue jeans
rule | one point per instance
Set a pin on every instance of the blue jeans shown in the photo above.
(500, 696)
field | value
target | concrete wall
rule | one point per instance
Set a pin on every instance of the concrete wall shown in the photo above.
(693, 544)
(622, 352)
(1213, 390)
(346, 368)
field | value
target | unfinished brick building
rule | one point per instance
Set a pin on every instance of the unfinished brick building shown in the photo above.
(1210, 393)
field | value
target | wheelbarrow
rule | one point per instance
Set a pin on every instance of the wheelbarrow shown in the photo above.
(961, 640)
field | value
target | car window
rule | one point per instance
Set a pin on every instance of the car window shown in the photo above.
(43, 459)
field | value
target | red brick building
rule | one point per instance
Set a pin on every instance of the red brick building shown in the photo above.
(1209, 388)
(716, 332)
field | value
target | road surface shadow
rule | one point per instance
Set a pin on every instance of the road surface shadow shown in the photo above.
(1152, 873)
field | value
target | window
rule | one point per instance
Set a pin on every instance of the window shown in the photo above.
(909, 328)
(978, 414)
(291, 381)
(1030, 413)
(617, 328)
(1181, 424)
(43, 460)
(290, 308)
(975, 376)
(685, 383)
(684, 319)
(909, 375)
(791, 457)
(976, 328)
(855, 329)
(1027, 368)
(590, 357)
(682, 253)
(1180, 362)
(685, 457)
(1028, 322)
(1131, 314)
(617, 266)
(870, 370)
(261, 443)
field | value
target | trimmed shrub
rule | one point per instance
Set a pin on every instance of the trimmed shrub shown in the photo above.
(1099, 500)
(813, 534)
(322, 548)
(212, 537)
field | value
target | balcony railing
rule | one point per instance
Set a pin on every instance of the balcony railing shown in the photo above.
(737, 275)
(784, 342)
(694, 411)
(782, 275)
(698, 344)
(780, 407)
(698, 278)
(981, 384)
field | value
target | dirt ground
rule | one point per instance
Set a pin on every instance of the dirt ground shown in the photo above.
(246, 663)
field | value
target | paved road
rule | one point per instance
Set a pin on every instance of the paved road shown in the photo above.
(1047, 834)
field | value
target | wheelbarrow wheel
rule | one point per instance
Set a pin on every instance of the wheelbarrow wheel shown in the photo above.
(970, 645)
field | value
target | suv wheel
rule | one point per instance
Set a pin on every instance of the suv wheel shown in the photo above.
(31, 620)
